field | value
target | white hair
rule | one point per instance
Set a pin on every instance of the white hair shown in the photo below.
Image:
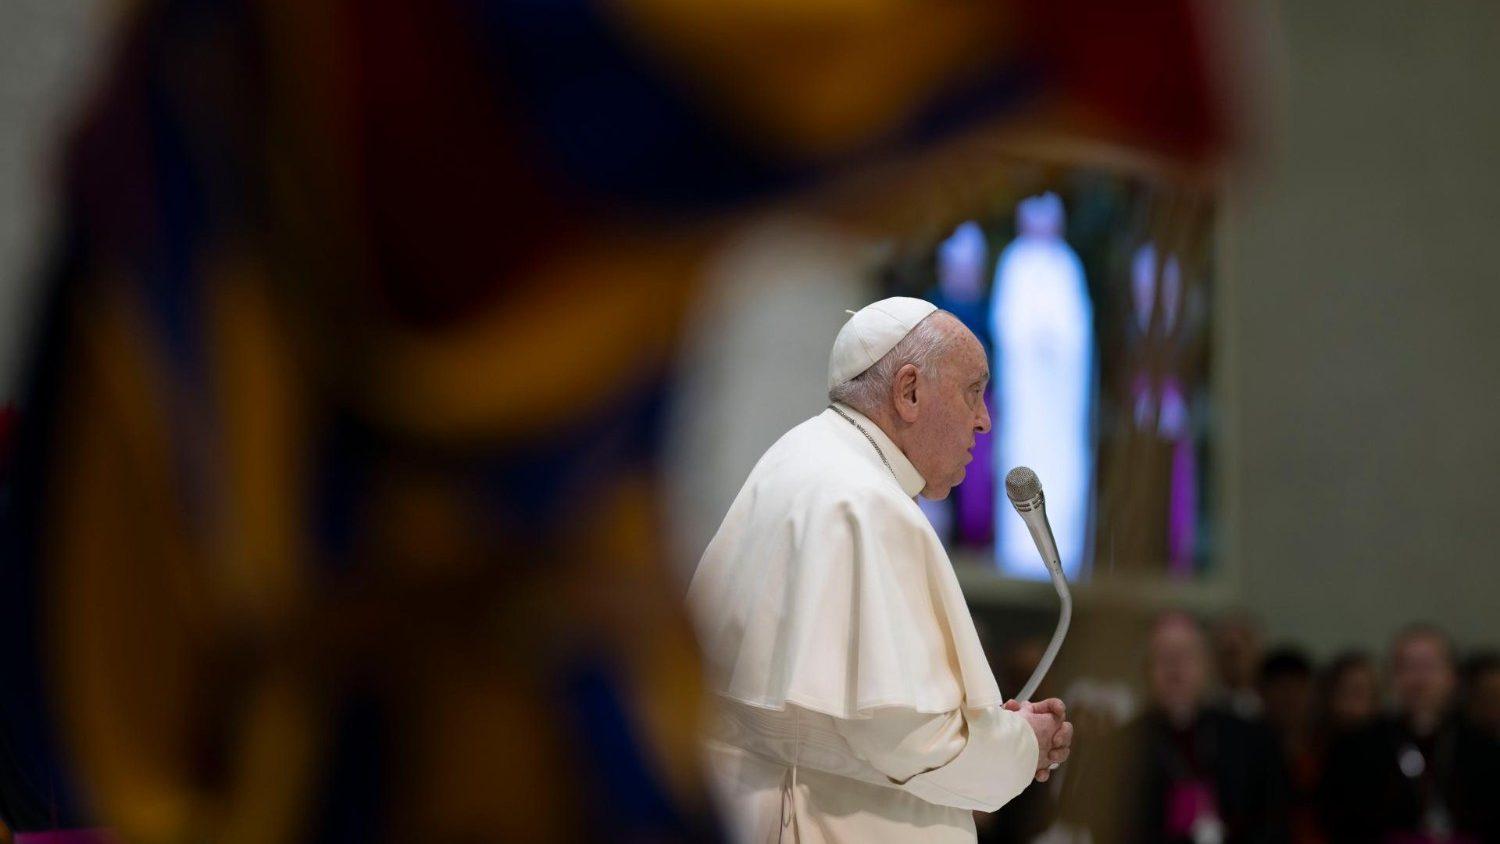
(922, 347)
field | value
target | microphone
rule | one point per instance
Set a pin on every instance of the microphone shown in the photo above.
(1024, 489)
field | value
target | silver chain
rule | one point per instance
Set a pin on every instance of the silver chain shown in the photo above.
(876, 445)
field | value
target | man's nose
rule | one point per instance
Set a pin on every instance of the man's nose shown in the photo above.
(984, 418)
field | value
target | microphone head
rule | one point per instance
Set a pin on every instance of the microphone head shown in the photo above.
(1022, 484)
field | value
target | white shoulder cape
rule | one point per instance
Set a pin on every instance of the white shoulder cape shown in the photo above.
(826, 587)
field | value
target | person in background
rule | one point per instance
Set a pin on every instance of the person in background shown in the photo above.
(1482, 692)
(1238, 644)
(1186, 770)
(1346, 700)
(1348, 696)
(1420, 775)
(1286, 690)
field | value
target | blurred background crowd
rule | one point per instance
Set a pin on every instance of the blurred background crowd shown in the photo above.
(1223, 738)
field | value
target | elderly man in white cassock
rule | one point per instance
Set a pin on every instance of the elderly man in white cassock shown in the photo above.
(854, 702)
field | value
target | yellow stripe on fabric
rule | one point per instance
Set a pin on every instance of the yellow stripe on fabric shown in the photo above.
(259, 547)
(259, 396)
(811, 78)
(574, 336)
(143, 627)
(122, 581)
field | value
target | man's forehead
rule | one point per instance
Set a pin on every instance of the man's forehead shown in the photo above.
(971, 352)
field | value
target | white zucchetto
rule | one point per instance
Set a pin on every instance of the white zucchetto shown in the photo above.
(872, 332)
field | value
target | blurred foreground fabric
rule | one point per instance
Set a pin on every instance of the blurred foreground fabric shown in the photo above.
(330, 511)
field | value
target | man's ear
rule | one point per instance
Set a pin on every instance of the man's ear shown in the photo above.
(904, 392)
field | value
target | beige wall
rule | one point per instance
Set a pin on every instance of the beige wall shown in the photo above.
(1366, 351)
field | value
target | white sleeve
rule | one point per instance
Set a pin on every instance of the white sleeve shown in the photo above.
(969, 758)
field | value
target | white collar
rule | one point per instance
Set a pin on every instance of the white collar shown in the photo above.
(907, 476)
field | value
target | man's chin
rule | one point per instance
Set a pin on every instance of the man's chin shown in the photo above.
(937, 493)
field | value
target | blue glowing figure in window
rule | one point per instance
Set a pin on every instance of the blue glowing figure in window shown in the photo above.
(1042, 329)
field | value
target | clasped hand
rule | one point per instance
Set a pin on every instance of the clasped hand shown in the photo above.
(1054, 733)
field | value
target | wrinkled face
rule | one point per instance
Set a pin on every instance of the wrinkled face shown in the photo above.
(1177, 667)
(941, 441)
(1354, 699)
(1422, 676)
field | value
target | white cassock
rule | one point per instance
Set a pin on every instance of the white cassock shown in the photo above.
(854, 700)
